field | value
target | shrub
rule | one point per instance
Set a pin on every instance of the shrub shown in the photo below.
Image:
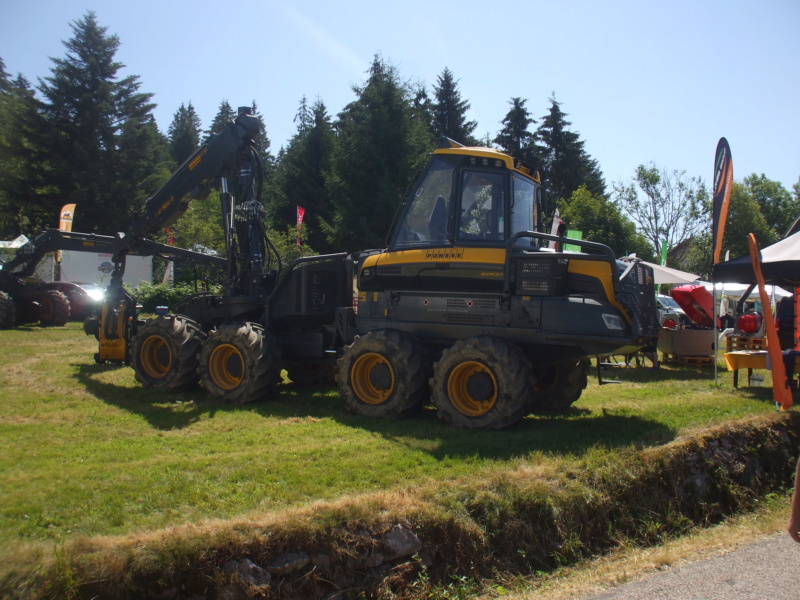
(151, 295)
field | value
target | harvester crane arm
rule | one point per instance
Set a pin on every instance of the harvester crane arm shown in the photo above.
(231, 158)
(219, 157)
(31, 254)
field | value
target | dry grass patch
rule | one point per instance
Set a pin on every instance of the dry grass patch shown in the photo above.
(631, 563)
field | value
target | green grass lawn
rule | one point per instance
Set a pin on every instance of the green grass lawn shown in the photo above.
(84, 450)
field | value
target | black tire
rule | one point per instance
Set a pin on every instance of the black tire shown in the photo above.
(91, 326)
(311, 375)
(166, 352)
(557, 387)
(383, 373)
(52, 308)
(8, 312)
(481, 383)
(239, 363)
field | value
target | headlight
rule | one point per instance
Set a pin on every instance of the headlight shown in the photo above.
(613, 322)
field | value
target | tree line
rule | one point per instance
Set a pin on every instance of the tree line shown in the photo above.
(86, 134)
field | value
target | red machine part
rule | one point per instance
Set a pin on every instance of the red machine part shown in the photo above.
(697, 302)
(749, 323)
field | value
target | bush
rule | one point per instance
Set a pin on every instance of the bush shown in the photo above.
(151, 295)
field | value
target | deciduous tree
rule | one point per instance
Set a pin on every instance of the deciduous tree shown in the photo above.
(667, 206)
(601, 221)
(777, 205)
(744, 217)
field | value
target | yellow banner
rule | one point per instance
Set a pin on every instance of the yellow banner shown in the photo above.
(67, 213)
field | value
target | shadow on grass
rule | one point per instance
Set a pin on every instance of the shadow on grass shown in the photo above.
(570, 432)
(634, 374)
(163, 410)
(763, 394)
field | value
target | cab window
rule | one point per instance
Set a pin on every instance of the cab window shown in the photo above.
(427, 217)
(523, 217)
(482, 207)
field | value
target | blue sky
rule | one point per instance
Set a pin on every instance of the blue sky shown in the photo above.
(642, 81)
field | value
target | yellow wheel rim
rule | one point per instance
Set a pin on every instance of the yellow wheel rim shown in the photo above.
(364, 381)
(156, 357)
(226, 367)
(459, 389)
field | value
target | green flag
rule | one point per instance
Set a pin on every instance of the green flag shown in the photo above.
(575, 235)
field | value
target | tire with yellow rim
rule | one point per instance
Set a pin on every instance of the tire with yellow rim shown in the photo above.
(481, 383)
(239, 363)
(165, 353)
(384, 373)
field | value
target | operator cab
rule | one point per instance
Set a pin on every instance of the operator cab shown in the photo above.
(469, 197)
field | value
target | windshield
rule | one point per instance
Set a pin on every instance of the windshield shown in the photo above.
(668, 302)
(426, 219)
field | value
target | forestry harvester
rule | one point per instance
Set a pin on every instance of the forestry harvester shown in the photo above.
(467, 306)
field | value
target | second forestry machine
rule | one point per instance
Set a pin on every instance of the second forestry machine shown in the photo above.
(467, 307)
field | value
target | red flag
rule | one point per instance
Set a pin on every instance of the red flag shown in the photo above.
(723, 181)
(301, 213)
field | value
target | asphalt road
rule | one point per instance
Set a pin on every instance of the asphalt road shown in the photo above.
(765, 570)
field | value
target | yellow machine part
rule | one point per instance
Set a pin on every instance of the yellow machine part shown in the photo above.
(495, 257)
(602, 272)
(113, 344)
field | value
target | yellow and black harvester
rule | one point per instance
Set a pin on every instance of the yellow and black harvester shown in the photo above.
(473, 306)
(470, 305)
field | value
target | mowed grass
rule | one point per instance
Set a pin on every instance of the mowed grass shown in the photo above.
(85, 450)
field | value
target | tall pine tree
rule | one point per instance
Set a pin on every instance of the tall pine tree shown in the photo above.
(225, 114)
(88, 109)
(263, 143)
(184, 133)
(564, 162)
(378, 143)
(515, 138)
(449, 111)
(20, 122)
(300, 176)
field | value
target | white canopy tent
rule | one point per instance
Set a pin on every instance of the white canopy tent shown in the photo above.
(665, 274)
(669, 275)
(737, 289)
